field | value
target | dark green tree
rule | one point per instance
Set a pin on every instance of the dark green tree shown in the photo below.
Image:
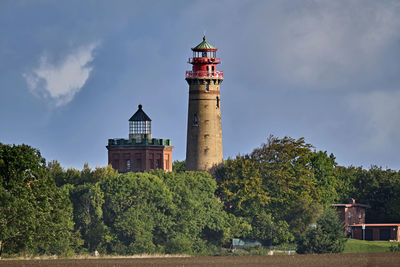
(327, 236)
(35, 215)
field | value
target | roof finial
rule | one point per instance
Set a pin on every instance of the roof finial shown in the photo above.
(140, 106)
(204, 38)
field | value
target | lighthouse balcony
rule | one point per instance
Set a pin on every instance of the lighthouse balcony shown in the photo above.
(204, 74)
(204, 60)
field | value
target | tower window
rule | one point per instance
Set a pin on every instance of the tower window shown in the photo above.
(128, 165)
(195, 120)
(217, 100)
(207, 87)
(204, 54)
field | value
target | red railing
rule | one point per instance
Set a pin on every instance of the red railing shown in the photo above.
(209, 60)
(204, 74)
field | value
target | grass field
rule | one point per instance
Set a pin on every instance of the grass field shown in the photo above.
(386, 259)
(360, 246)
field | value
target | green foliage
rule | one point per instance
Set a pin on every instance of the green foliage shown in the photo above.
(179, 166)
(395, 247)
(323, 167)
(274, 187)
(271, 231)
(155, 212)
(35, 215)
(327, 237)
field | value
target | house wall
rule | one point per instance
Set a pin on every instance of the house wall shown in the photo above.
(357, 232)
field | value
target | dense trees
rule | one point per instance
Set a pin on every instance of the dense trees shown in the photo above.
(272, 194)
(155, 212)
(274, 187)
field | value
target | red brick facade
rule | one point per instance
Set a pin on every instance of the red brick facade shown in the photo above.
(140, 158)
(351, 213)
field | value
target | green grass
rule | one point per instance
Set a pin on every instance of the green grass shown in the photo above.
(359, 246)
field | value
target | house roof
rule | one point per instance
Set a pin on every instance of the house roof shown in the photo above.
(351, 205)
(140, 115)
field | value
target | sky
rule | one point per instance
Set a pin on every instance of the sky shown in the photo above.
(73, 72)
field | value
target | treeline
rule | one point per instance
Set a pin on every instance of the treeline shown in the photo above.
(273, 195)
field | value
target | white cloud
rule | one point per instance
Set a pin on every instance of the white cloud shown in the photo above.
(380, 111)
(60, 82)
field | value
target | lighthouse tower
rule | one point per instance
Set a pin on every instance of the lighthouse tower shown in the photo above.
(204, 133)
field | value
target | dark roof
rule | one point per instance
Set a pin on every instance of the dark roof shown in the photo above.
(140, 115)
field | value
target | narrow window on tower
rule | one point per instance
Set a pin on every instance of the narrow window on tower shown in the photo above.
(207, 87)
(217, 104)
(195, 120)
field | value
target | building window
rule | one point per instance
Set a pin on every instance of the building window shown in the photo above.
(207, 87)
(360, 215)
(217, 104)
(128, 165)
(138, 164)
(349, 214)
(115, 164)
(158, 164)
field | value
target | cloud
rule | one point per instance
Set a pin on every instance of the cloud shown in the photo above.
(379, 110)
(331, 42)
(62, 80)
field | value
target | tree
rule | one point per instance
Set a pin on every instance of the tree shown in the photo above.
(327, 236)
(323, 167)
(35, 215)
(179, 166)
(274, 182)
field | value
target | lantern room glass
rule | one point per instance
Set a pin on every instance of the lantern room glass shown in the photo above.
(204, 54)
(140, 127)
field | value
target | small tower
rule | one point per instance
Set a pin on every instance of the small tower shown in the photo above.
(204, 132)
(140, 152)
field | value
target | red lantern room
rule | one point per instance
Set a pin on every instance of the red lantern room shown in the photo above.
(204, 61)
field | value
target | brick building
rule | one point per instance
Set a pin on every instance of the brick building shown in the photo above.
(353, 216)
(351, 213)
(140, 152)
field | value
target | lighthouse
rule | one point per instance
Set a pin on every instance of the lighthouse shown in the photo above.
(204, 132)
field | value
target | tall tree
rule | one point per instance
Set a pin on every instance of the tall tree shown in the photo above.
(35, 215)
